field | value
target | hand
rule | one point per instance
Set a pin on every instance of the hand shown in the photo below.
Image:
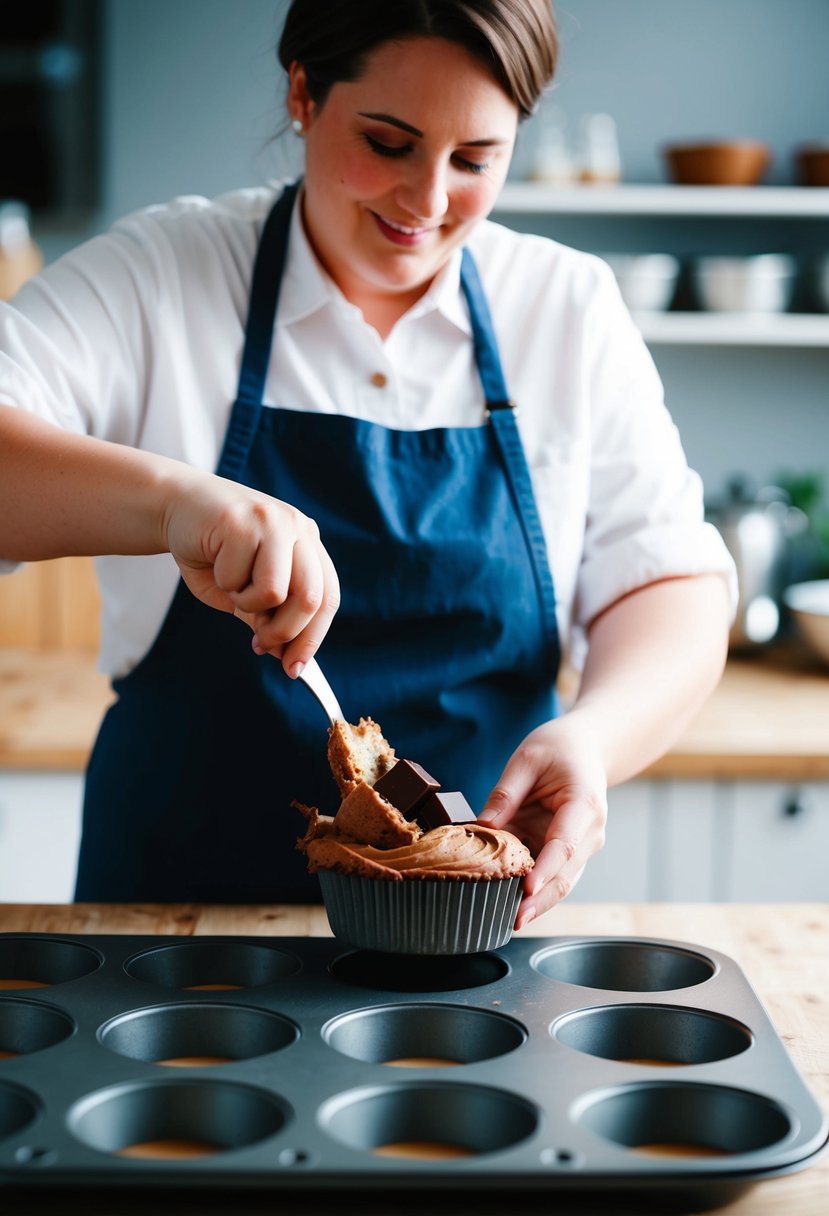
(244, 552)
(552, 795)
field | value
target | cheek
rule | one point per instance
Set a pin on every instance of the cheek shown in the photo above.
(477, 198)
(347, 173)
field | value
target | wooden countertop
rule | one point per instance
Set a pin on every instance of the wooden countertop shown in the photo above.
(768, 719)
(780, 947)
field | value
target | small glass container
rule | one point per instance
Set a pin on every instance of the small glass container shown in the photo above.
(599, 162)
(552, 160)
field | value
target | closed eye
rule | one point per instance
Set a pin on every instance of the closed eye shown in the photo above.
(394, 150)
(382, 149)
(471, 166)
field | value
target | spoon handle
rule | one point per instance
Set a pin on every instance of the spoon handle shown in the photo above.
(316, 682)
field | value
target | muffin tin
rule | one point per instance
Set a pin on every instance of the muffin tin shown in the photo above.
(569, 1064)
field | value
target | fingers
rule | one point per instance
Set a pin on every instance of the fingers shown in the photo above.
(243, 552)
(576, 832)
(512, 791)
(295, 631)
(553, 893)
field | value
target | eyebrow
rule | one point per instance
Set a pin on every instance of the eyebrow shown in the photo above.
(410, 130)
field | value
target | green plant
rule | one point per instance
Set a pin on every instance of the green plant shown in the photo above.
(808, 492)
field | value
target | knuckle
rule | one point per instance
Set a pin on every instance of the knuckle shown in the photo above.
(309, 600)
(568, 848)
(498, 797)
(270, 629)
(270, 596)
(306, 527)
(259, 511)
(561, 888)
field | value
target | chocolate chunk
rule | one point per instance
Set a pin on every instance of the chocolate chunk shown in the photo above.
(445, 808)
(406, 786)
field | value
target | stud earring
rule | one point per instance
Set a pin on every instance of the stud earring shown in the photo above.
(297, 126)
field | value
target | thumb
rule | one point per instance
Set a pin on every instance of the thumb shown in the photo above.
(501, 805)
(508, 796)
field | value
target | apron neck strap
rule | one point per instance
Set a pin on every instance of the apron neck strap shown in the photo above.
(264, 296)
(487, 357)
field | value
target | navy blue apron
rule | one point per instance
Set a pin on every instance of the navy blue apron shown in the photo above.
(446, 636)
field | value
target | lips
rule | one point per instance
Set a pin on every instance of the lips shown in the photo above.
(401, 234)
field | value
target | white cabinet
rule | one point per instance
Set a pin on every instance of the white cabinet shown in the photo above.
(40, 820)
(780, 842)
(673, 841)
(619, 872)
(723, 841)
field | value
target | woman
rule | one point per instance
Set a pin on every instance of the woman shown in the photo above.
(373, 331)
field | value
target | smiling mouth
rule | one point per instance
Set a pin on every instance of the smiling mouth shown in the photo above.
(407, 231)
(403, 234)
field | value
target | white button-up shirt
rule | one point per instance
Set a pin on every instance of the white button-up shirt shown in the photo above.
(137, 337)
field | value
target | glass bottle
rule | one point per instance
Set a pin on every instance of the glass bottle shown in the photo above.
(599, 162)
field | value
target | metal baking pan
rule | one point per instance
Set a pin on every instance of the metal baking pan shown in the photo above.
(582, 1066)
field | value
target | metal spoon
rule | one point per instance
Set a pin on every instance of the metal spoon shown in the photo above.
(316, 683)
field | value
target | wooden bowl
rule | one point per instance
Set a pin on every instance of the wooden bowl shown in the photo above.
(812, 161)
(726, 163)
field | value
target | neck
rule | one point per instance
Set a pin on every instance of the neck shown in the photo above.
(382, 312)
(381, 309)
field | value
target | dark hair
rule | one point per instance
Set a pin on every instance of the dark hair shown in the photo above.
(515, 39)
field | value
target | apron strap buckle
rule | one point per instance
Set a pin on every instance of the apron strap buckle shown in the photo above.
(491, 406)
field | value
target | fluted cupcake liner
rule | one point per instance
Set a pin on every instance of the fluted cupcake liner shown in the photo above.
(421, 916)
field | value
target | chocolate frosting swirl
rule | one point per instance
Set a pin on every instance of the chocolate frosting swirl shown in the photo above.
(455, 851)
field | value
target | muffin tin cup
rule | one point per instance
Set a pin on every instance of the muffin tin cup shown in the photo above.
(683, 1120)
(610, 1067)
(197, 1035)
(176, 1120)
(27, 1026)
(624, 966)
(420, 916)
(431, 1121)
(429, 1035)
(201, 966)
(657, 1035)
(30, 962)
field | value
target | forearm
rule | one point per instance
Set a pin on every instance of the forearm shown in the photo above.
(70, 494)
(654, 657)
(238, 550)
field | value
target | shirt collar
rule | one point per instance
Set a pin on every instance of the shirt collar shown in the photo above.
(306, 288)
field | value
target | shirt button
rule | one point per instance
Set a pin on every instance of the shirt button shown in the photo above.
(379, 379)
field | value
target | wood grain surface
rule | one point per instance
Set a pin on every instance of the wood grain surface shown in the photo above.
(782, 948)
(51, 606)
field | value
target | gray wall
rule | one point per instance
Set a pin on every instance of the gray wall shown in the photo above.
(192, 98)
(691, 69)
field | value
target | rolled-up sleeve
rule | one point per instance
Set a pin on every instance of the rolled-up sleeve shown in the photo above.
(645, 515)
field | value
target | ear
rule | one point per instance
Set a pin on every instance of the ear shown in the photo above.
(299, 103)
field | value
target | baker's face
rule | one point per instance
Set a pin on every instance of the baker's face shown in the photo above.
(401, 165)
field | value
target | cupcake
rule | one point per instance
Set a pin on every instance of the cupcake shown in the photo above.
(403, 866)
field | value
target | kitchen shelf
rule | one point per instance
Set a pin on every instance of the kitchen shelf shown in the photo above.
(772, 201)
(733, 329)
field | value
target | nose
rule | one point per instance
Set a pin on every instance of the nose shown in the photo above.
(423, 191)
